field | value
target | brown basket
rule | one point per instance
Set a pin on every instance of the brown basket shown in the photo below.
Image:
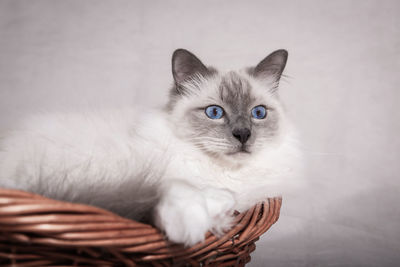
(37, 231)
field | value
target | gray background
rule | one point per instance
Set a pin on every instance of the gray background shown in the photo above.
(341, 92)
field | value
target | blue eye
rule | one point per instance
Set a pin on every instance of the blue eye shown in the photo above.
(214, 112)
(259, 112)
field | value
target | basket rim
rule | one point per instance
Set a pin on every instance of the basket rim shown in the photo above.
(28, 219)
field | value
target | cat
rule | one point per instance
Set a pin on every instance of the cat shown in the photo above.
(222, 143)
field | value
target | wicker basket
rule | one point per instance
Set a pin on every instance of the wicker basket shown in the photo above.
(37, 231)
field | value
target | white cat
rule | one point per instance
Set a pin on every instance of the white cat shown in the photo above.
(223, 142)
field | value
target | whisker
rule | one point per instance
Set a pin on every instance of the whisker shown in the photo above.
(210, 141)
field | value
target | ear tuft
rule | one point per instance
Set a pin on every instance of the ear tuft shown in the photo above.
(272, 66)
(185, 65)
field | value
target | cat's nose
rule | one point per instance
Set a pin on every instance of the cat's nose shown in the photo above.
(242, 134)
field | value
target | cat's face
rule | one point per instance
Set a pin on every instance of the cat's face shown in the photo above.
(229, 115)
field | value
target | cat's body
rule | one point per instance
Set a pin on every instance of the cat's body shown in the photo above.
(190, 166)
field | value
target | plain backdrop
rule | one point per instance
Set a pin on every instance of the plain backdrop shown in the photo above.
(342, 92)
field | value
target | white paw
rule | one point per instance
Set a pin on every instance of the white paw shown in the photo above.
(186, 213)
(220, 206)
(182, 214)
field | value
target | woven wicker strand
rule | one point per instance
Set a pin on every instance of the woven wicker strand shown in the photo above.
(37, 231)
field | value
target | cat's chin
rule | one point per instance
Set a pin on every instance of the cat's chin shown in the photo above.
(239, 153)
(238, 156)
(234, 159)
(243, 151)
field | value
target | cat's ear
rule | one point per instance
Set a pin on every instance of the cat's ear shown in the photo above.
(272, 66)
(185, 65)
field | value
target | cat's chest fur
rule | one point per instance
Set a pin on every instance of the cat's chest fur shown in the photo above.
(252, 179)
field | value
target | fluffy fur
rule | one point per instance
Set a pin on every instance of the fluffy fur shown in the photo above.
(186, 168)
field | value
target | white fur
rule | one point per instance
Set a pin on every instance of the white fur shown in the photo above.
(129, 160)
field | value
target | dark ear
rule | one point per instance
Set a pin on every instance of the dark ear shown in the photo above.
(272, 66)
(185, 65)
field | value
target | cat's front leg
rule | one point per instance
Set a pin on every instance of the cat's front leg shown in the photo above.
(186, 213)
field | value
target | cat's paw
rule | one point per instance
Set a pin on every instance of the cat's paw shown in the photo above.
(182, 214)
(220, 206)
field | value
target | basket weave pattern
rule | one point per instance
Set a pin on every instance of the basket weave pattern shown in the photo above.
(37, 231)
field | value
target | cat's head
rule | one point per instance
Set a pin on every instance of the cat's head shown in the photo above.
(230, 115)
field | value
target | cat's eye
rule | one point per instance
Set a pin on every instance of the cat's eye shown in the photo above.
(214, 112)
(259, 112)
